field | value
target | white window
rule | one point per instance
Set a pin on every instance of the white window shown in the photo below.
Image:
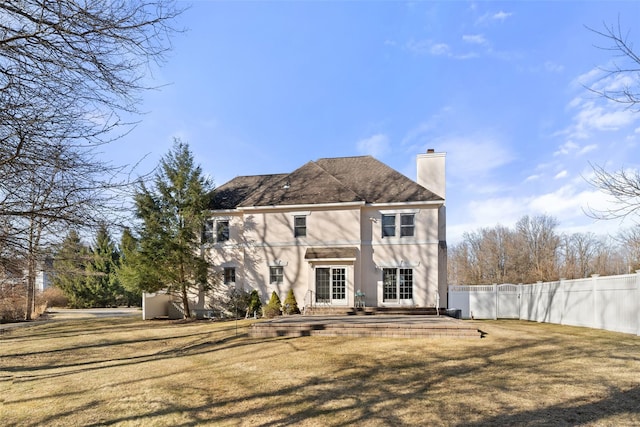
(388, 225)
(215, 231)
(276, 275)
(397, 284)
(299, 226)
(407, 225)
(229, 276)
(222, 231)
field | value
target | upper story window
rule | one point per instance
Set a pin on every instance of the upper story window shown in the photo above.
(222, 231)
(407, 225)
(299, 226)
(215, 231)
(388, 225)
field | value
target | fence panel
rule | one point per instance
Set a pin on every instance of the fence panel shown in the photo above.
(611, 302)
(578, 306)
(508, 302)
(616, 303)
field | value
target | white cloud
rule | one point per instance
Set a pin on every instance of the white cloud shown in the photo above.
(553, 67)
(489, 17)
(566, 148)
(376, 145)
(430, 47)
(474, 39)
(569, 204)
(561, 174)
(501, 15)
(588, 148)
(473, 155)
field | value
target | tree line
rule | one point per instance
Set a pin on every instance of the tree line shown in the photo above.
(533, 250)
(71, 75)
(92, 276)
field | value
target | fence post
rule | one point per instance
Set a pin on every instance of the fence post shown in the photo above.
(495, 308)
(520, 301)
(594, 288)
(563, 300)
(638, 300)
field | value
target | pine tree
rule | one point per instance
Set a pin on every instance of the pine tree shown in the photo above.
(70, 270)
(129, 269)
(172, 214)
(102, 280)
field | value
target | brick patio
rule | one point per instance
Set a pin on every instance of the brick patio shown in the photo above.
(415, 326)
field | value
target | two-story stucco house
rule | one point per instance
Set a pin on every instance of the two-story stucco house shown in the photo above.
(338, 231)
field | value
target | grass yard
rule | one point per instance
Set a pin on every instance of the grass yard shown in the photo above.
(127, 372)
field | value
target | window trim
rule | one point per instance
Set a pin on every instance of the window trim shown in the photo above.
(388, 230)
(299, 230)
(232, 272)
(403, 284)
(397, 229)
(277, 273)
(221, 236)
(411, 226)
(213, 232)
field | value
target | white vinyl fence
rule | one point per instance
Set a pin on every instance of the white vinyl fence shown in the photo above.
(610, 302)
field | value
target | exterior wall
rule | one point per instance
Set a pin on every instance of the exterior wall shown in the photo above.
(155, 305)
(264, 238)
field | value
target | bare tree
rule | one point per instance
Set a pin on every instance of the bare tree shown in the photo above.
(623, 185)
(71, 75)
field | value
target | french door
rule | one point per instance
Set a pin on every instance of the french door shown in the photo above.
(331, 285)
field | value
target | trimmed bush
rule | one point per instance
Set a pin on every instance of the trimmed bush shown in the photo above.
(290, 305)
(255, 305)
(273, 308)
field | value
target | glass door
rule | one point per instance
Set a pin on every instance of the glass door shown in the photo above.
(331, 285)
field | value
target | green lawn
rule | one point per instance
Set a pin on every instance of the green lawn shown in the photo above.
(123, 371)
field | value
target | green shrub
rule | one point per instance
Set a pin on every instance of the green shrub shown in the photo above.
(290, 305)
(274, 306)
(255, 305)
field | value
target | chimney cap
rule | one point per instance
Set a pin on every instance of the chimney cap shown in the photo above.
(431, 150)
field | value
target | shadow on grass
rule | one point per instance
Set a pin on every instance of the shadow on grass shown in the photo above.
(361, 387)
(618, 402)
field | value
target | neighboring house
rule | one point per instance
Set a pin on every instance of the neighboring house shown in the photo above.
(18, 276)
(338, 231)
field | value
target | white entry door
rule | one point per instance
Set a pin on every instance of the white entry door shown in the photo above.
(331, 285)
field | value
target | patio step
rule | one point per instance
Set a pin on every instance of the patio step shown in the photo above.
(395, 311)
(382, 326)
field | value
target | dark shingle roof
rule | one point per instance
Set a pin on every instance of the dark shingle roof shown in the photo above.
(329, 180)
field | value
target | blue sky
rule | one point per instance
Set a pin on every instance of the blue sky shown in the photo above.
(260, 87)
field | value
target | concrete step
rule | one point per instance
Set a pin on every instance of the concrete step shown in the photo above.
(356, 326)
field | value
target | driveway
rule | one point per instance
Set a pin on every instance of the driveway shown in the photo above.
(71, 314)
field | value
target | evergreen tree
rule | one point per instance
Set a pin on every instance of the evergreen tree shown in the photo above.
(102, 281)
(255, 304)
(70, 271)
(290, 305)
(274, 306)
(172, 214)
(129, 269)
